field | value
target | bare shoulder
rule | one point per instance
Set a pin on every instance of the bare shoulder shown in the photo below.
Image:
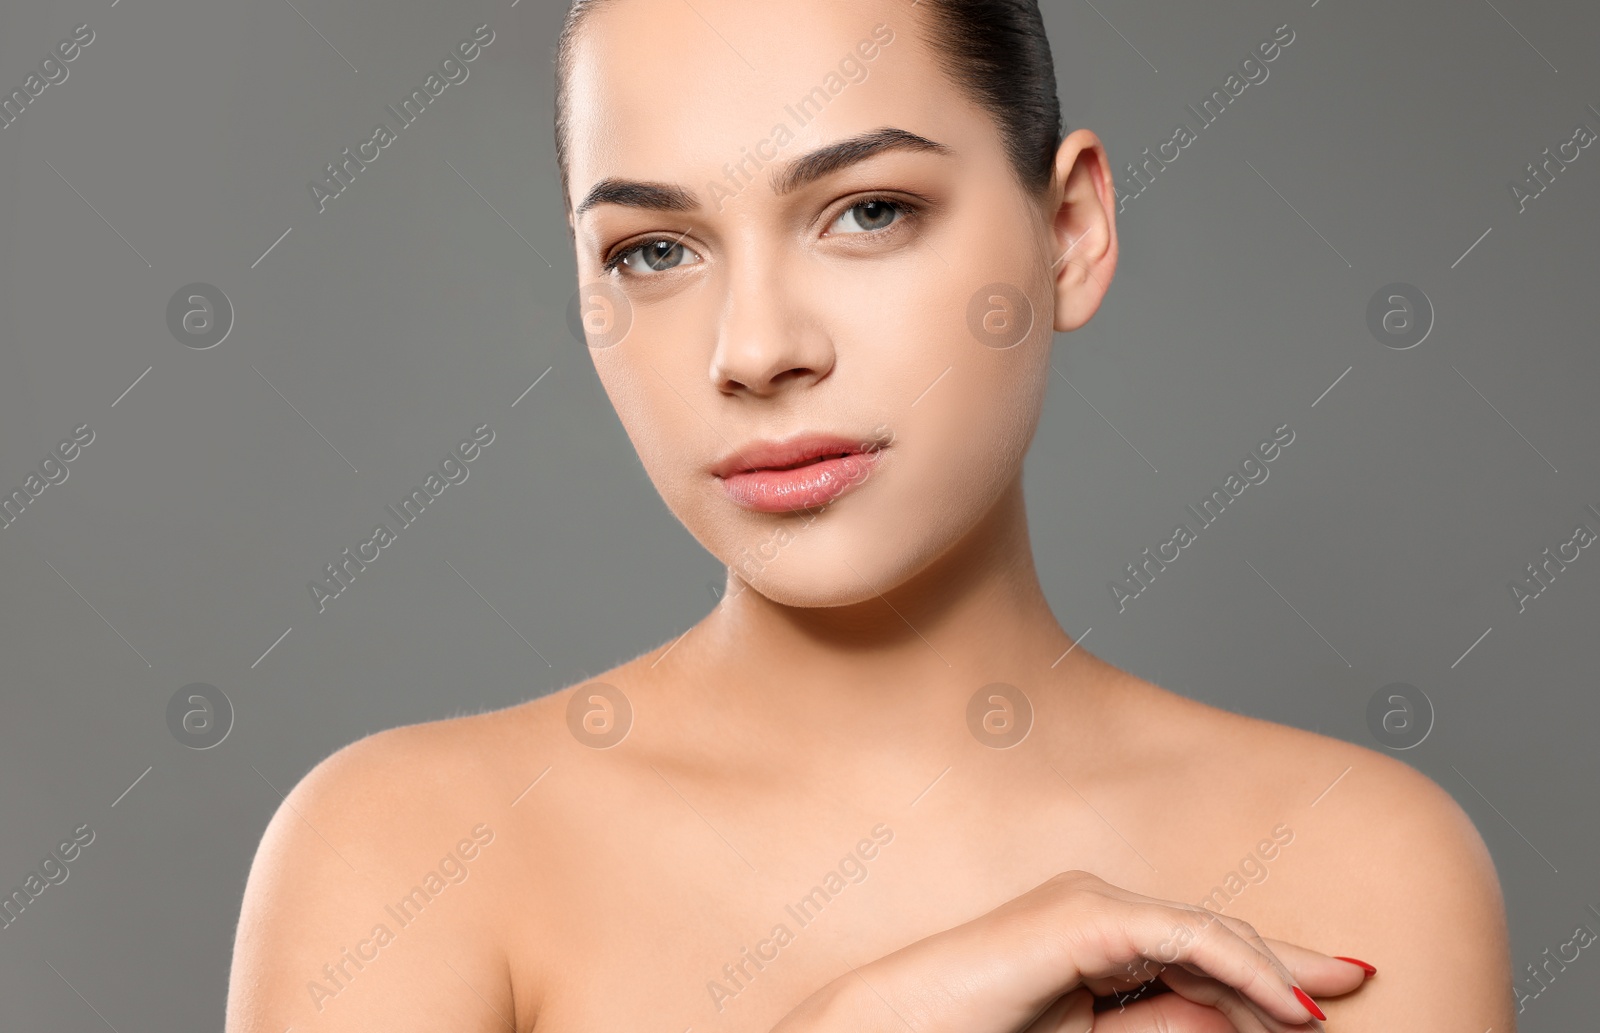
(1298, 769)
(1385, 864)
(416, 782)
(407, 836)
(404, 792)
(409, 783)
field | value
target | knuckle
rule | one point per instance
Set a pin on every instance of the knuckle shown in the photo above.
(1073, 875)
(1072, 883)
(1260, 976)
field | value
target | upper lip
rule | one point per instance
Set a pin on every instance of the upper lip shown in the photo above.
(768, 455)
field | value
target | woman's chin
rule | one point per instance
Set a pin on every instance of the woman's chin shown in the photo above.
(816, 579)
(811, 595)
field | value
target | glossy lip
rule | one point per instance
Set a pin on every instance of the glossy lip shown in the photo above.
(783, 476)
(778, 455)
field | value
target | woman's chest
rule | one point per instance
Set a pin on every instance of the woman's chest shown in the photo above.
(694, 921)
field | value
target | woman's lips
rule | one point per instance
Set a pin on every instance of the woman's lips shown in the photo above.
(801, 487)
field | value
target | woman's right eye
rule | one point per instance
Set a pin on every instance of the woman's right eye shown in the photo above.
(653, 256)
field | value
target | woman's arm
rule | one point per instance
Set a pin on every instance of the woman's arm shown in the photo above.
(366, 905)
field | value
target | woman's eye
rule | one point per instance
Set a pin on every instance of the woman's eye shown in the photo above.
(868, 216)
(653, 256)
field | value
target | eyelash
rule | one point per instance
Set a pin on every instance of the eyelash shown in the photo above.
(908, 210)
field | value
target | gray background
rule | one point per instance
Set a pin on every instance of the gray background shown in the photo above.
(432, 293)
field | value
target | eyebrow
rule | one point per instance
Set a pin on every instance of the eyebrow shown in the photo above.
(790, 177)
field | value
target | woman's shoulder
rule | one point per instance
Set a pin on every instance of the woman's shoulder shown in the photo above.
(368, 840)
(1374, 837)
(1299, 767)
(392, 798)
(430, 770)
(399, 794)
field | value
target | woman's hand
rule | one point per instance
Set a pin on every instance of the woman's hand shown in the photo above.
(1317, 974)
(1035, 963)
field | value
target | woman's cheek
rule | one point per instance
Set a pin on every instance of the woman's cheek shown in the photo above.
(650, 413)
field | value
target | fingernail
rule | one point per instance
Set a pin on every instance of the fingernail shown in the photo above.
(1311, 1006)
(1370, 969)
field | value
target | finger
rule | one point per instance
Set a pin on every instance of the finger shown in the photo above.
(1130, 978)
(1216, 950)
(1170, 933)
(1070, 1013)
(1246, 1015)
(1247, 932)
(1317, 973)
(1168, 1013)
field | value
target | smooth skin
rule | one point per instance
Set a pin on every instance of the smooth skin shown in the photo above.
(827, 694)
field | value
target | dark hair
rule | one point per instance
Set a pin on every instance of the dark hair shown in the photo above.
(996, 51)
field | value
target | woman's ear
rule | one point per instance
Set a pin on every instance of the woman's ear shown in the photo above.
(1083, 229)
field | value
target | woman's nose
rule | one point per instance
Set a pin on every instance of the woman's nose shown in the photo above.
(768, 338)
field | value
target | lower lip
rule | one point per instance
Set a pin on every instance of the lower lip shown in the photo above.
(803, 487)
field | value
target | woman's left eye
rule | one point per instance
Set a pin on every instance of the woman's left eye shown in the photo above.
(867, 216)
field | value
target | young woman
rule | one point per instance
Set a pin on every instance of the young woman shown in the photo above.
(823, 247)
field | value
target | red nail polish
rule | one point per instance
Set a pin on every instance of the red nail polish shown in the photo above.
(1311, 1006)
(1369, 969)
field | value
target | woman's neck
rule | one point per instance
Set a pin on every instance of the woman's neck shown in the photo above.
(975, 616)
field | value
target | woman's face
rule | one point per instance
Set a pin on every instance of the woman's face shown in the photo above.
(744, 285)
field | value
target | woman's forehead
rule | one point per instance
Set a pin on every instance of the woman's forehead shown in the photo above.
(758, 35)
(655, 81)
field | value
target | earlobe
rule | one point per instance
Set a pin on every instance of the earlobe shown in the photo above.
(1083, 228)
